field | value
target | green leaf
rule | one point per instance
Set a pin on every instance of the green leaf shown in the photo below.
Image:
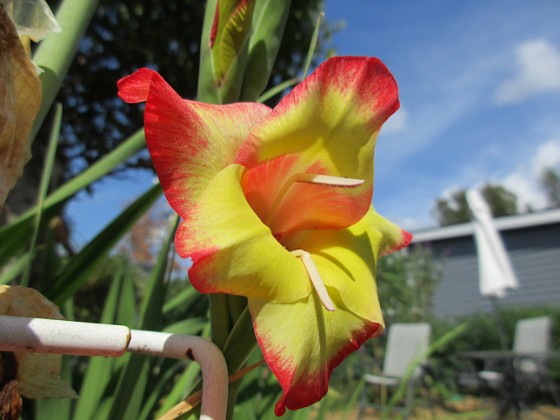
(14, 237)
(207, 85)
(183, 299)
(224, 59)
(15, 269)
(45, 179)
(232, 35)
(76, 273)
(183, 386)
(56, 52)
(131, 387)
(269, 21)
(312, 45)
(119, 309)
(191, 326)
(279, 88)
(129, 395)
(166, 377)
(154, 299)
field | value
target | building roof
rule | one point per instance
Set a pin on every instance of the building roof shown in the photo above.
(518, 221)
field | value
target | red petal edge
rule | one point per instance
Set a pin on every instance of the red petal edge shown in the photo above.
(372, 77)
(406, 239)
(136, 87)
(312, 386)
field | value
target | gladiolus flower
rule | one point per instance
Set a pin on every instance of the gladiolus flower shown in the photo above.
(276, 206)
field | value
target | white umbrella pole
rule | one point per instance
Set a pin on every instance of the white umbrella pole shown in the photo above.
(499, 322)
(19, 334)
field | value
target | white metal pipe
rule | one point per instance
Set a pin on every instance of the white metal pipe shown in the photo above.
(19, 334)
(204, 352)
(40, 335)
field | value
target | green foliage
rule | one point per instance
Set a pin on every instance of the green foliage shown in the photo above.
(269, 20)
(95, 122)
(406, 283)
(455, 210)
(550, 181)
(98, 283)
(481, 334)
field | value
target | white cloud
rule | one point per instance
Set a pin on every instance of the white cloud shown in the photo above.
(524, 181)
(547, 155)
(538, 71)
(526, 190)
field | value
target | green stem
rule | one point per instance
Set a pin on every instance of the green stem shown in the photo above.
(219, 319)
(237, 349)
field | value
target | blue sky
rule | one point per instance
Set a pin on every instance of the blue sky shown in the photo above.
(479, 85)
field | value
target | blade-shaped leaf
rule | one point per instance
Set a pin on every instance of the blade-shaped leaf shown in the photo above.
(14, 237)
(269, 21)
(131, 388)
(56, 52)
(45, 179)
(78, 269)
(119, 309)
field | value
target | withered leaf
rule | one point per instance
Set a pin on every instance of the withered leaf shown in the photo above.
(38, 374)
(20, 99)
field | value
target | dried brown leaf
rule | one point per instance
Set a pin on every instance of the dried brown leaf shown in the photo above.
(38, 373)
(20, 99)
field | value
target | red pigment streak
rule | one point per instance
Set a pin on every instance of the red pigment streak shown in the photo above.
(215, 24)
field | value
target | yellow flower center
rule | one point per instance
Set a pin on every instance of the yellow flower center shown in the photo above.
(308, 263)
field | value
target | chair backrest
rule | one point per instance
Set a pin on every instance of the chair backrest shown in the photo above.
(405, 343)
(532, 336)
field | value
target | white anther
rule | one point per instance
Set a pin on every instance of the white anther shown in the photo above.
(315, 278)
(333, 181)
(327, 180)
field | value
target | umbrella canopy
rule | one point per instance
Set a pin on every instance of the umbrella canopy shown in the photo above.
(496, 273)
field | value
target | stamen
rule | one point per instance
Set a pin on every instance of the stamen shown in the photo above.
(315, 278)
(333, 181)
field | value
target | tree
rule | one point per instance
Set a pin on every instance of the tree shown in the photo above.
(406, 283)
(455, 209)
(550, 181)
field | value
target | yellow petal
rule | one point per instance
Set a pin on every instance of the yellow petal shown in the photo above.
(233, 251)
(189, 142)
(347, 260)
(302, 343)
(331, 119)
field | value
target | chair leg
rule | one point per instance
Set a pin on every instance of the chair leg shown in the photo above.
(553, 389)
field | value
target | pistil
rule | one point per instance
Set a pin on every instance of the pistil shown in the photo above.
(315, 278)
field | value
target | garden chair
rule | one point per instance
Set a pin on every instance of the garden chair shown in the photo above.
(406, 344)
(532, 337)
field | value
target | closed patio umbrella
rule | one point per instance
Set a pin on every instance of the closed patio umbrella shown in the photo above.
(496, 274)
